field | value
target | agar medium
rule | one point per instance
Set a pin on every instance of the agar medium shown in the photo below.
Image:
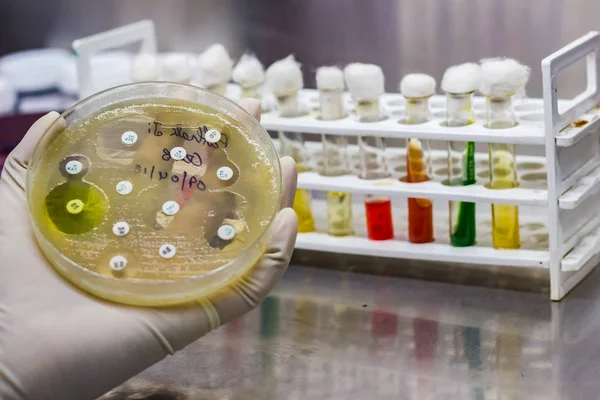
(153, 193)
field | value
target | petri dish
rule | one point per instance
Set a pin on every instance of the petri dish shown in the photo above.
(153, 193)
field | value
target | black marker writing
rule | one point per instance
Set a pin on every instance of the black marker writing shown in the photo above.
(191, 182)
(183, 181)
(155, 128)
(198, 136)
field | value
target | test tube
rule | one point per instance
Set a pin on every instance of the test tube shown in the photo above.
(284, 79)
(302, 203)
(292, 145)
(366, 85)
(378, 212)
(339, 213)
(330, 83)
(214, 68)
(176, 68)
(417, 90)
(459, 83)
(145, 67)
(501, 79)
(250, 75)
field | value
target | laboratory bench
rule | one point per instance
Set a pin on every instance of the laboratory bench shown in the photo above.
(335, 334)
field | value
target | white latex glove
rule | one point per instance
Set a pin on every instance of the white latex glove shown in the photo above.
(57, 342)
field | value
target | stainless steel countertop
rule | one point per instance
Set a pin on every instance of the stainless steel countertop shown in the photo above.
(326, 334)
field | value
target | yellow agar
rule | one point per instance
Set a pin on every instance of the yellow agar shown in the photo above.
(247, 201)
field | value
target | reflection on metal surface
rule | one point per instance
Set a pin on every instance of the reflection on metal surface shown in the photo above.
(509, 365)
(269, 317)
(472, 340)
(233, 333)
(331, 335)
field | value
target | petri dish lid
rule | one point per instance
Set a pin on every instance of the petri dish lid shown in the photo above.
(153, 193)
(34, 70)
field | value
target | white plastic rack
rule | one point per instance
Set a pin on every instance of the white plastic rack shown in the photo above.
(568, 201)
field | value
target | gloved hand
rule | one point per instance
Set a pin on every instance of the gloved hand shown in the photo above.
(57, 342)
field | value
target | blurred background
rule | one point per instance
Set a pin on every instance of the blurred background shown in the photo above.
(402, 36)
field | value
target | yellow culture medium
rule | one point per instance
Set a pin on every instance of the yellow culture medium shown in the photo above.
(339, 214)
(139, 194)
(302, 202)
(505, 217)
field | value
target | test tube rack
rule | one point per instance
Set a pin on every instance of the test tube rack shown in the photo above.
(564, 203)
(567, 131)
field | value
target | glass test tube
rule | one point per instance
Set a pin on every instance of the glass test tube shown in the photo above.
(335, 163)
(249, 73)
(418, 152)
(252, 92)
(335, 155)
(417, 110)
(292, 145)
(373, 161)
(459, 112)
(302, 202)
(378, 211)
(420, 211)
(339, 213)
(220, 88)
(373, 165)
(503, 173)
(288, 105)
(331, 105)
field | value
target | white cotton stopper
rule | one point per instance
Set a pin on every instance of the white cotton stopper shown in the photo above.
(502, 77)
(249, 72)
(417, 85)
(463, 78)
(364, 81)
(284, 77)
(330, 78)
(214, 66)
(176, 68)
(145, 67)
